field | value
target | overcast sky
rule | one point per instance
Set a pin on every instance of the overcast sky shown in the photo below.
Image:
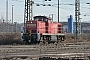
(65, 9)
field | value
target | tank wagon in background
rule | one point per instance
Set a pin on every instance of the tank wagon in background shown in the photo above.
(42, 29)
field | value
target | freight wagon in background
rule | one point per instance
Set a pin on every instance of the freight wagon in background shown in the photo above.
(42, 29)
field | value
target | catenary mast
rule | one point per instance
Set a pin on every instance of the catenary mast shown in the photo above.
(28, 13)
(77, 18)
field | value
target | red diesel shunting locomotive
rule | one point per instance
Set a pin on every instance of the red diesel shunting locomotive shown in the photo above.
(41, 29)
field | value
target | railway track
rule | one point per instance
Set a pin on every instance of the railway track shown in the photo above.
(51, 50)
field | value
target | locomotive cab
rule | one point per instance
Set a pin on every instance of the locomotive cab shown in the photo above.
(33, 29)
(41, 18)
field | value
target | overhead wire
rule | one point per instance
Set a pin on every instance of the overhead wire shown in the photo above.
(55, 5)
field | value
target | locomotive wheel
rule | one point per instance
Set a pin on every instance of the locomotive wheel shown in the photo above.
(24, 42)
(62, 38)
(41, 43)
(55, 43)
(49, 39)
(46, 43)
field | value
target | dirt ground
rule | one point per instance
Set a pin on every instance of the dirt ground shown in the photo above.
(9, 38)
(80, 38)
(15, 38)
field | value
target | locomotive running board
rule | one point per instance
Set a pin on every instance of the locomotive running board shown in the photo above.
(54, 34)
